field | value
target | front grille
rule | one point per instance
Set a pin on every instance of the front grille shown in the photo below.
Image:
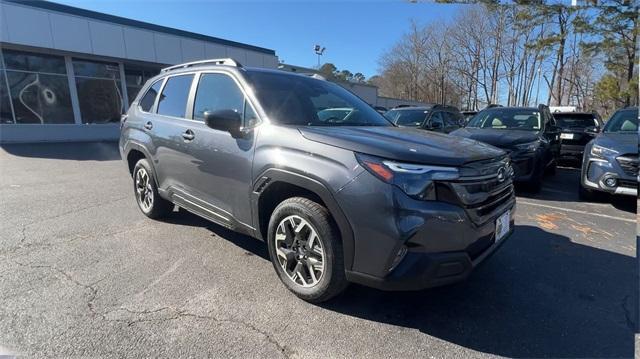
(629, 164)
(482, 197)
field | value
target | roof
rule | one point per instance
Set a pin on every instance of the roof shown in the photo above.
(47, 5)
(573, 113)
(426, 107)
(512, 108)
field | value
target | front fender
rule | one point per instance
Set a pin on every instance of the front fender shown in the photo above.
(276, 175)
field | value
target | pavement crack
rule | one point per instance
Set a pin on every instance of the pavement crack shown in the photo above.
(23, 235)
(93, 292)
(174, 314)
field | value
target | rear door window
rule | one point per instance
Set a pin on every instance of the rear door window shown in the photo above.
(173, 99)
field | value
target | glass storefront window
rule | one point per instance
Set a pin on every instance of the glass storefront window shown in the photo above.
(136, 78)
(99, 94)
(6, 116)
(38, 89)
(32, 62)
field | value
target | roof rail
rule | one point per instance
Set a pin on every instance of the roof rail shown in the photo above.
(224, 61)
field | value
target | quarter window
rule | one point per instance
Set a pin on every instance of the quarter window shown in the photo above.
(135, 78)
(173, 100)
(217, 92)
(149, 98)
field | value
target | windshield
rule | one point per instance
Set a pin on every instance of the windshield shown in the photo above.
(575, 120)
(305, 101)
(413, 118)
(507, 119)
(622, 121)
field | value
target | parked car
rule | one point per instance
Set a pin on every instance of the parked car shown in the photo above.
(437, 118)
(528, 134)
(610, 161)
(380, 109)
(350, 200)
(468, 115)
(577, 129)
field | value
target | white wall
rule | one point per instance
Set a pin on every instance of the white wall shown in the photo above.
(365, 92)
(24, 25)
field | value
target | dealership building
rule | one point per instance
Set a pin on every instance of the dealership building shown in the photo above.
(67, 74)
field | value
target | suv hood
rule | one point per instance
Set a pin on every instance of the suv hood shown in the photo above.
(498, 138)
(623, 143)
(403, 144)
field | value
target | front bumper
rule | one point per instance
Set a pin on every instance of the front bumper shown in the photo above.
(595, 171)
(525, 165)
(442, 242)
(427, 270)
(571, 152)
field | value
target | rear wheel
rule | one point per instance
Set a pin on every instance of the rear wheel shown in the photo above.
(146, 192)
(306, 250)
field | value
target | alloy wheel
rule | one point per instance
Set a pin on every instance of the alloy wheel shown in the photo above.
(144, 189)
(299, 251)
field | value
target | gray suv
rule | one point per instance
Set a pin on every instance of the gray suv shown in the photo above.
(610, 161)
(338, 192)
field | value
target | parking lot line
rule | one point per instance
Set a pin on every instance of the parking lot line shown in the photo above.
(576, 211)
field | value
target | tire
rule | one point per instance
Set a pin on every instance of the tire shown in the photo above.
(145, 190)
(285, 246)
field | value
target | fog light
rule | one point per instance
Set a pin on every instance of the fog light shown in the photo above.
(610, 182)
(399, 256)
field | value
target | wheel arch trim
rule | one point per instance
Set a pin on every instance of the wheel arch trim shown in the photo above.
(275, 175)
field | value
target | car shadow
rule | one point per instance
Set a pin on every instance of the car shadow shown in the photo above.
(78, 151)
(251, 245)
(541, 295)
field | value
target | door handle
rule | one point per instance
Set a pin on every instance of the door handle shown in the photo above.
(148, 125)
(188, 135)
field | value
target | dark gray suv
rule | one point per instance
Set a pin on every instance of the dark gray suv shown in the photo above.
(338, 192)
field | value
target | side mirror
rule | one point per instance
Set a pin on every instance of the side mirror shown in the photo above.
(592, 130)
(224, 120)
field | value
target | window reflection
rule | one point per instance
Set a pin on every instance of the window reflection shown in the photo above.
(6, 116)
(135, 80)
(38, 89)
(99, 94)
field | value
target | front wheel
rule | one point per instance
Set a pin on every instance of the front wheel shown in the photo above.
(306, 250)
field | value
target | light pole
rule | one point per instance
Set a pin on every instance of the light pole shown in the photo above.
(319, 50)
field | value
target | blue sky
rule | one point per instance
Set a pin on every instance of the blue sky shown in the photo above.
(355, 33)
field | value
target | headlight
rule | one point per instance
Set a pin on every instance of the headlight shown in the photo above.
(529, 146)
(415, 180)
(602, 152)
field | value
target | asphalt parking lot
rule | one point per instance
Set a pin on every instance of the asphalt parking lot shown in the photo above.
(84, 273)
